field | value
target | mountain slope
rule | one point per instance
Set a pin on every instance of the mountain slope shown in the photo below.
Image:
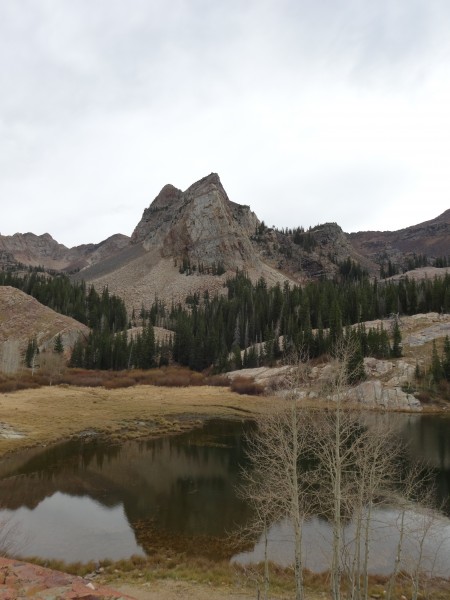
(186, 242)
(42, 250)
(200, 225)
(23, 318)
(431, 238)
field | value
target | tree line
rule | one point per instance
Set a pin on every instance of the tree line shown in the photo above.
(76, 300)
(248, 325)
(245, 326)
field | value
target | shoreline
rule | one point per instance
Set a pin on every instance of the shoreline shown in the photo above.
(50, 415)
(44, 416)
(58, 413)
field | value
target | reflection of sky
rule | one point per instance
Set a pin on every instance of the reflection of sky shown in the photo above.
(384, 538)
(78, 529)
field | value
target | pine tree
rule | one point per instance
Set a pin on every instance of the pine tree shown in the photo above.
(396, 351)
(355, 366)
(437, 371)
(58, 346)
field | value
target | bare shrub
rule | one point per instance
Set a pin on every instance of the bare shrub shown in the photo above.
(89, 381)
(180, 380)
(122, 382)
(8, 385)
(52, 365)
(217, 380)
(246, 385)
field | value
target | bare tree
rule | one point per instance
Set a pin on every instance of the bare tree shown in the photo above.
(276, 484)
(51, 364)
(9, 357)
(418, 524)
(334, 462)
(335, 449)
(357, 463)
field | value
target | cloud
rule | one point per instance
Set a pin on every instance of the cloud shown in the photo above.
(309, 111)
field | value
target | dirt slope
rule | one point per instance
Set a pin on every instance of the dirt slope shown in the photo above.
(23, 318)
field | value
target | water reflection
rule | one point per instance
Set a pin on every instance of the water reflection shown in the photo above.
(88, 499)
(183, 485)
(73, 528)
(384, 537)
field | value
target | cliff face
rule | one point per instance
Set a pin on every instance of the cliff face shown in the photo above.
(200, 224)
(201, 228)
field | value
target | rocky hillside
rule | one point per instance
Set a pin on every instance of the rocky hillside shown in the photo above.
(390, 383)
(431, 238)
(201, 226)
(42, 250)
(190, 241)
(186, 242)
(23, 318)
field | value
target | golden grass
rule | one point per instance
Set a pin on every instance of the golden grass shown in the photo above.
(49, 414)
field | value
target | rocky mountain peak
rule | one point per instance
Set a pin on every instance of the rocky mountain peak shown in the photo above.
(166, 197)
(200, 225)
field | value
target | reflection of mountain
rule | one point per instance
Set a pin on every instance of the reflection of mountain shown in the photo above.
(181, 484)
(177, 492)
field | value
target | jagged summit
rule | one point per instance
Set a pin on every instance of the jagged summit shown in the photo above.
(200, 224)
(184, 237)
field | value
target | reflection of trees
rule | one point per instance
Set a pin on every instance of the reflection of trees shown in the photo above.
(74, 455)
(189, 484)
(183, 483)
(428, 440)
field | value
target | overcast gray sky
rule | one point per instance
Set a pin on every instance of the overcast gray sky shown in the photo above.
(309, 110)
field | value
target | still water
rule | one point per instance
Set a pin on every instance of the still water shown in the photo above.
(87, 499)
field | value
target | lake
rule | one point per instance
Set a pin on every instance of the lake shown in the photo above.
(87, 499)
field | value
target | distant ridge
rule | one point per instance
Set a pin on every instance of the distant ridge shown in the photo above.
(189, 241)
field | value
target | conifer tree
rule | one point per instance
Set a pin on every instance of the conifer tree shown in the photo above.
(58, 346)
(446, 359)
(437, 371)
(396, 351)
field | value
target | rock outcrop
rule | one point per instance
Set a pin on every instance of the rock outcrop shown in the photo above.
(200, 225)
(373, 394)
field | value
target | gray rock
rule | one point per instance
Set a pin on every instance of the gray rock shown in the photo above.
(373, 394)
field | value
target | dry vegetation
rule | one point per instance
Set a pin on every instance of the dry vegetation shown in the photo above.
(169, 575)
(165, 376)
(49, 414)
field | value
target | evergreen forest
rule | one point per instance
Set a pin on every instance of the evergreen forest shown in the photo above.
(249, 324)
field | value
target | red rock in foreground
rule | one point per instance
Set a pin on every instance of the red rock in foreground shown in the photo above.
(19, 579)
